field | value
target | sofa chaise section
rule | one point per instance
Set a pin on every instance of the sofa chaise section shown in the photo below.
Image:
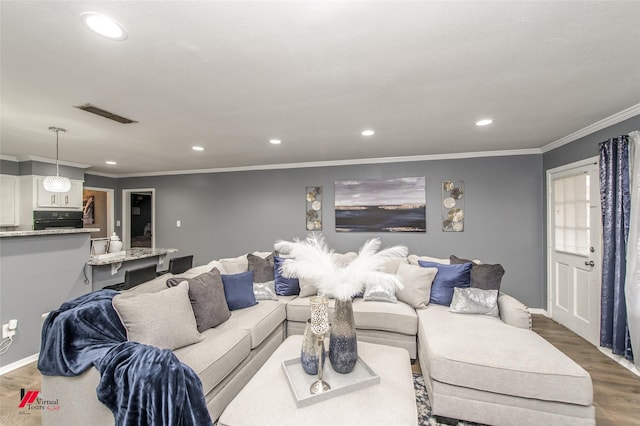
(479, 368)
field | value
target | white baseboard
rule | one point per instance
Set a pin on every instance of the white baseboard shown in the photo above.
(19, 363)
(539, 311)
(620, 360)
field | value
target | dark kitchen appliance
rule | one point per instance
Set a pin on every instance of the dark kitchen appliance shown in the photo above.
(56, 219)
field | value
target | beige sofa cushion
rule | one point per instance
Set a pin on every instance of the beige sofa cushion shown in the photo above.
(259, 320)
(216, 356)
(482, 352)
(395, 317)
(513, 311)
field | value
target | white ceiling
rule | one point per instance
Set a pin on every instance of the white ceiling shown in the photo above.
(231, 75)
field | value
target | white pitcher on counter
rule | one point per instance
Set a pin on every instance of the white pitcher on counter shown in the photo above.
(115, 245)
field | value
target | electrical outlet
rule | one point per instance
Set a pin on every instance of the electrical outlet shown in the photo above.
(7, 332)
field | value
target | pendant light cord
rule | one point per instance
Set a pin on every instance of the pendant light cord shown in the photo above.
(57, 154)
(57, 130)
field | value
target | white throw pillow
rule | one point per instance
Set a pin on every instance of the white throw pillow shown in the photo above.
(235, 265)
(417, 285)
(413, 259)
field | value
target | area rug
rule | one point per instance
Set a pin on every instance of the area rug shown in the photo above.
(425, 418)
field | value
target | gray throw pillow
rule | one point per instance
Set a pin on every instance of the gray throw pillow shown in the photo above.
(484, 276)
(474, 301)
(416, 282)
(265, 291)
(163, 319)
(262, 268)
(206, 294)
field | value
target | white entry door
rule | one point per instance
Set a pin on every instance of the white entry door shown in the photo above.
(575, 248)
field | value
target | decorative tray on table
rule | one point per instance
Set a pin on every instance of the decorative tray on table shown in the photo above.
(300, 382)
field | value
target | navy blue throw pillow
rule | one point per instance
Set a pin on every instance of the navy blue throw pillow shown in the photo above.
(284, 286)
(448, 277)
(238, 290)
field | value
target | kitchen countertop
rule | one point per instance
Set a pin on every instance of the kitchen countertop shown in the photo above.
(133, 254)
(58, 231)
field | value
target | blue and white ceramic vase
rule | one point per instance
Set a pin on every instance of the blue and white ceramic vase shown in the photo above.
(309, 352)
(343, 345)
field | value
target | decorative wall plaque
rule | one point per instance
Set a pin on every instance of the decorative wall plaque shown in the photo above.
(314, 208)
(453, 206)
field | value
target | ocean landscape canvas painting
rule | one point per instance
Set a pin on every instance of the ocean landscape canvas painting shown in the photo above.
(381, 205)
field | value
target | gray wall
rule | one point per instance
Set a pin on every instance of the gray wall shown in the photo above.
(47, 169)
(38, 274)
(9, 167)
(228, 214)
(100, 181)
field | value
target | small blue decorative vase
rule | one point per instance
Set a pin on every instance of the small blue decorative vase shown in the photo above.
(309, 352)
(343, 345)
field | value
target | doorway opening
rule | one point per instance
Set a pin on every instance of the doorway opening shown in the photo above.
(138, 218)
(98, 211)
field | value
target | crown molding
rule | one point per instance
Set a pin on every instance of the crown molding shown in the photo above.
(9, 158)
(51, 161)
(109, 175)
(616, 118)
(333, 163)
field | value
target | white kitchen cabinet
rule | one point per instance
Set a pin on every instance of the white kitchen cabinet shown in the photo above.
(9, 200)
(44, 199)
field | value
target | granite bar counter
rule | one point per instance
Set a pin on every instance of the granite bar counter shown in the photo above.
(132, 254)
(54, 231)
(111, 270)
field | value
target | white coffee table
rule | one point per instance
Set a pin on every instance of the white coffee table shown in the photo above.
(267, 399)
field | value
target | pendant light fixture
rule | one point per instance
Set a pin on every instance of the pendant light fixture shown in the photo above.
(57, 183)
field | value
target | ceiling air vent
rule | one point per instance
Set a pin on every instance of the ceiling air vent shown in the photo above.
(106, 114)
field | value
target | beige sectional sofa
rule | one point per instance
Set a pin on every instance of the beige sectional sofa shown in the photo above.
(476, 367)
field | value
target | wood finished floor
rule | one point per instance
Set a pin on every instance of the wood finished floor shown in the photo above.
(616, 390)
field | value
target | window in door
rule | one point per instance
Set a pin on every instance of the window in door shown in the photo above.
(572, 205)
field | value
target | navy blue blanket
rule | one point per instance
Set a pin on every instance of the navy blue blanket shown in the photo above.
(140, 384)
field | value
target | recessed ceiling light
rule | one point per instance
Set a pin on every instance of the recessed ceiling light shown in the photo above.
(104, 25)
(197, 148)
(275, 141)
(368, 132)
(484, 122)
(111, 163)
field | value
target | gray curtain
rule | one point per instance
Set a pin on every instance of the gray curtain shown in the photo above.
(632, 287)
(616, 202)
